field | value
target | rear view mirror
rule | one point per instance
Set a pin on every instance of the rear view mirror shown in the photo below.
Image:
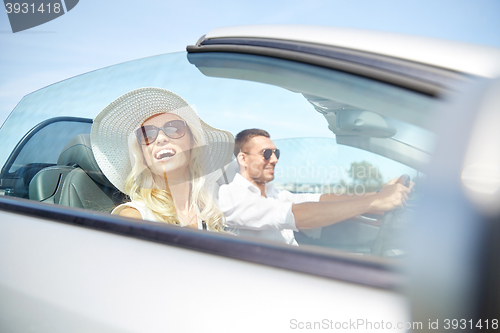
(363, 123)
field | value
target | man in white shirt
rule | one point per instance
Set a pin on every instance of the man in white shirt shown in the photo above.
(253, 207)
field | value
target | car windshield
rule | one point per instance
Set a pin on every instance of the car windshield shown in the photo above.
(337, 132)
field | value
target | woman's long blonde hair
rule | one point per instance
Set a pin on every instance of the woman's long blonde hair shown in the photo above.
(152, 190)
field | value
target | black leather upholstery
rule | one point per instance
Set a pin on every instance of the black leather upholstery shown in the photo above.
(46, 185)
(78, 152)
(76, 181)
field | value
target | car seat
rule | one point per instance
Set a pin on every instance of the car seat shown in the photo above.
(76, 180)
(230, 171)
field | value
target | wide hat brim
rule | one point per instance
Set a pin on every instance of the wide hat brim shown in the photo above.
(113, 126)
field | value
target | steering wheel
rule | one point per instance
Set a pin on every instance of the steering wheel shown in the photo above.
(387, 222)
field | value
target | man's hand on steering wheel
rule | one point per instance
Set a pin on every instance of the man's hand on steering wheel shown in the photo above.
(393, 195)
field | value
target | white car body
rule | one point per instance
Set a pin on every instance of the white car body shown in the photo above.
(461, 57)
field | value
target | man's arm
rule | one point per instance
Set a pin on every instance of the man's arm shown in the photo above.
(343, 197)
(319, 214)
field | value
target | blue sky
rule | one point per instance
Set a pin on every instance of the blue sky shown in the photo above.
(96, 33)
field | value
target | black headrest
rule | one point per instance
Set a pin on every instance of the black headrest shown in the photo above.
(78, 152)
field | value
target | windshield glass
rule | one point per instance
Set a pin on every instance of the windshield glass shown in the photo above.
(337, 133)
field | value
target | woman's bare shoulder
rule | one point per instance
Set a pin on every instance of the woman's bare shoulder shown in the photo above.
(131, 212)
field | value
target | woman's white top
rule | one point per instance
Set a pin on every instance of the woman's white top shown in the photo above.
(146, 212)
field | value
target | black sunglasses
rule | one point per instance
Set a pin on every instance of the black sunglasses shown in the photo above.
(267, 153)
(174, 129)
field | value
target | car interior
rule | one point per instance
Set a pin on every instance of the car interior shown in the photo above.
(53, 163)
(76, 180)
(72, 178)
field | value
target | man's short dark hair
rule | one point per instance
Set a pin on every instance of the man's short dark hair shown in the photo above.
(244, 136)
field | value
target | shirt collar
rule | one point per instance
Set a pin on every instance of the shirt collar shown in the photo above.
(239, 179)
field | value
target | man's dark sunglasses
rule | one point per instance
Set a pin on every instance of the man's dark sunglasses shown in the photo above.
(174, 129)
(267, 153)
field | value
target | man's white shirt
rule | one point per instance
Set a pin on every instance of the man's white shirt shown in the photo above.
(248, 213)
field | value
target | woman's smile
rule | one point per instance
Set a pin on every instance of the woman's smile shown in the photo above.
(165, 154)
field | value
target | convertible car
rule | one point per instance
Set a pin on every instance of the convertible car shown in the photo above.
(349, 110)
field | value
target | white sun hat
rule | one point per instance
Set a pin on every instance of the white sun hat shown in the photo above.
(113, 126)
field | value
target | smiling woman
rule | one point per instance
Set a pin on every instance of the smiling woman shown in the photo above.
(152, 146)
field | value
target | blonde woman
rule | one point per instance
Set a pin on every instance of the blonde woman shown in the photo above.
(153, 147)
